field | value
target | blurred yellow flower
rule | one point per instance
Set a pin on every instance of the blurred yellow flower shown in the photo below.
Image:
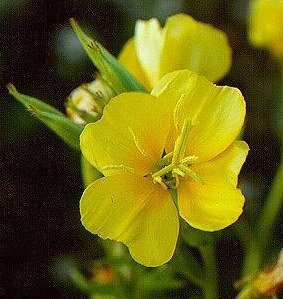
(181, 137)
(269, 282)
(182, 44)
(266, 25)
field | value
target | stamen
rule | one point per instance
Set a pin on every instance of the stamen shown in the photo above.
(167, 158)
(179, 172)
(96, 96)
(190, 160)
(176, 164)
(163, 171)
(159, 180)
(177, 180)
(192, 174)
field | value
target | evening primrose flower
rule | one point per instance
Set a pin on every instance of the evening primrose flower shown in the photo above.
(182, 137)
(266, 25)
(182, 44)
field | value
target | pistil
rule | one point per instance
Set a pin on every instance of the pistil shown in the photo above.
(176, 164)
(182, 142)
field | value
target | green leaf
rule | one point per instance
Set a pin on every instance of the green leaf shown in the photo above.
(121, 80)
(89, 173)
(51, 117)
(30, 101)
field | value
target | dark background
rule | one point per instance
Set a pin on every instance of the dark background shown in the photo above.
(40, 184)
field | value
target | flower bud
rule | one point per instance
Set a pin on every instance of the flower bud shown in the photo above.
(86, 103)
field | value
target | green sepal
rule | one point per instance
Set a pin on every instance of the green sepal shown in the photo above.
(51, 117)
(89, 173)
(116, 75)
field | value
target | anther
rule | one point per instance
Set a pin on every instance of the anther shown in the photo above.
(159, 180)
(179, 172)
(189, 160)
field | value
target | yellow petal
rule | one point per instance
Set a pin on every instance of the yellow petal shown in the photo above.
(128, 58)
(196, 46)
(217, 113)
(149, 43)
(224, 168)
(132, 210)
(130, 136)
(216, 203)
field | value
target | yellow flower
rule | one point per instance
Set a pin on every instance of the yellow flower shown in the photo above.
(266, 25)
(182, 44)
(181, 137)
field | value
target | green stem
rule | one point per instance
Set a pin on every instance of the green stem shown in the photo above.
(163, 171)
(252, 254)
(205, 243)
(186, 264)
(210, 286)
(270, 211)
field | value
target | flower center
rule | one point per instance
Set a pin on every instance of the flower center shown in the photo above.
(175, 165)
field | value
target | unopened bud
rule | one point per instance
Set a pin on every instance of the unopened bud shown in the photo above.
(86, 103)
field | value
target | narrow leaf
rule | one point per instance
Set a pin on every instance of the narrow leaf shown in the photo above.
(128, 79)
(51, 117)
(62, 126)
(30, 101)
(121, 80)
(89, 173)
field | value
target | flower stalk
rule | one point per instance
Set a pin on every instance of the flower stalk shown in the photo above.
(211, 284)
(270, 211)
